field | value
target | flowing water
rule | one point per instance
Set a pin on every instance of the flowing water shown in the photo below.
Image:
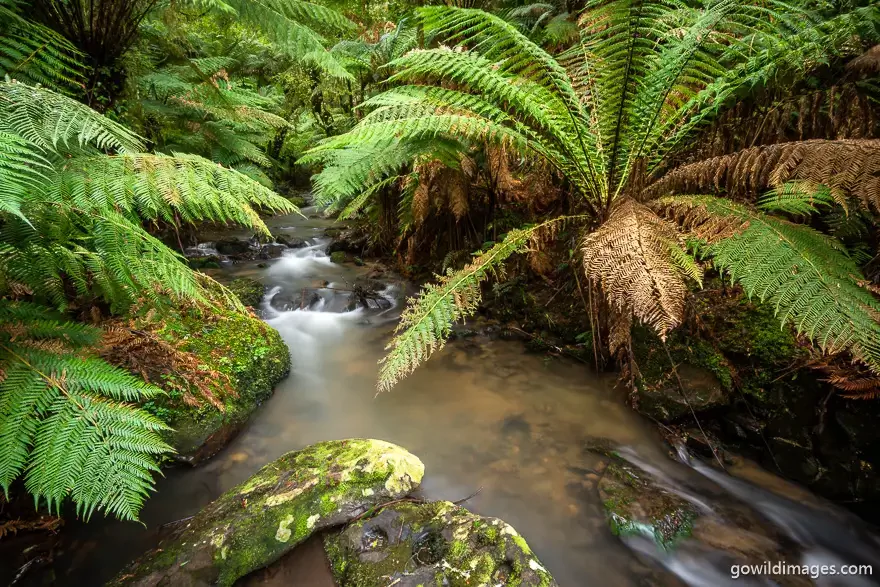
(483, 415)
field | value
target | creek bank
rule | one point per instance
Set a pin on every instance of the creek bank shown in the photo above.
(748, 380)
(215, 366)
(744, 374)
(361, 483)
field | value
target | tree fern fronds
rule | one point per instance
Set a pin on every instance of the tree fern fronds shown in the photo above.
(426, 322)
(182, 188)
(845, 167)
(33, 53)
(499, 41)
(798, 198)
(51, 121)
(631, 257)
(61, 422)
(22, 168)
(767, 61)
(807, 276)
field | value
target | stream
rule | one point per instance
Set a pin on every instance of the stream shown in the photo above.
(483, 414)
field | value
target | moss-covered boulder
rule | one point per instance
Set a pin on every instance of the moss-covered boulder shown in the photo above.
(337, 257)
(248, 291)
(248, 356)
(287, 501)
(438, 543)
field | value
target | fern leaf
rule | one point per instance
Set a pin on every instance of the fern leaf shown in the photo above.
(630, 256)
(427, 320)
(808, 277)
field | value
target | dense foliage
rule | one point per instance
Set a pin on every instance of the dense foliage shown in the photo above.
(670, 137)
(615, 116)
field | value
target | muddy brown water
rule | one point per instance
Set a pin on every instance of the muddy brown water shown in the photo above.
(482, 415)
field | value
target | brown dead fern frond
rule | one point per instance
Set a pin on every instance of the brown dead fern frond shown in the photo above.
(845, 167)
(866, 63)
(630, 258)
(162, 363)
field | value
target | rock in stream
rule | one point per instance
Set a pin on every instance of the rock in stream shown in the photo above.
(288, 500)
(355, 491)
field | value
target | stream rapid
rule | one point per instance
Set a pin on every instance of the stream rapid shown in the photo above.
(486, 417)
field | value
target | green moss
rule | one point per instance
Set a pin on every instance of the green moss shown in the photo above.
(255, 523)
(298, 201)
(633, 506)
(337, 257)
(243, 348)
(444, 543)
(249, 291)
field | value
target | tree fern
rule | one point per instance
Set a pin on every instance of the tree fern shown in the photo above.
(65, 425)
(611, 115)
(807, 276)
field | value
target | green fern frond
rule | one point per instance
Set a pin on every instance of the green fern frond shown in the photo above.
(52, 121)
(62, 424)
(34, 53)
(182, 188)
(427, 321)
(808, 277)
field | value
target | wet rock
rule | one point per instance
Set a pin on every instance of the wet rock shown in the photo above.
(337, 257)
(272, 251)
(439, 543)
(206, 262)
(249, 291)
(292, 498)
(665, 402)
(334, 231)
(232, 247)
(640, 507)
(636, 506)
(293, 242)
(303, 300)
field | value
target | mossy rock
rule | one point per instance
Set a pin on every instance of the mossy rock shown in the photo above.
(256, 523)
(337, 257)
(249, 353)
(636, 506)
(249, 291)
(437, 543)
(706, 375)
(298, 201)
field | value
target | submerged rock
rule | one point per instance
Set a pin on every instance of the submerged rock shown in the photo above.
(254, 524)
(641, 508)
(635, 505)
(439, 543)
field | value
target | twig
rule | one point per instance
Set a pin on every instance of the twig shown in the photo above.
(691, 408)
(471, 496)
(171, 523)
(560, 349)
